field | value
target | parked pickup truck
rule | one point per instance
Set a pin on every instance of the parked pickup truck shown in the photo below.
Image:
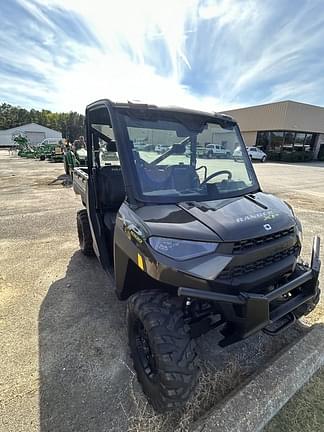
(216, 151)
(192, 246)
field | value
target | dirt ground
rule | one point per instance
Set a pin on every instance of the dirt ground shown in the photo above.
(65, 361)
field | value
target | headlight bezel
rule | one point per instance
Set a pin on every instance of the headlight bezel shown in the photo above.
(299, 226)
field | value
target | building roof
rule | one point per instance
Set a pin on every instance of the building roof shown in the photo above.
(283, 115)
(29, 127)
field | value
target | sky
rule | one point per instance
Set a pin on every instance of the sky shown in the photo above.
(207, 54)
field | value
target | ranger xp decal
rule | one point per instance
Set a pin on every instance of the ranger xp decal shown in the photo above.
(266, 215)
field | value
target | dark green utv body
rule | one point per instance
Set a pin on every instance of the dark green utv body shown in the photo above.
(193, 243)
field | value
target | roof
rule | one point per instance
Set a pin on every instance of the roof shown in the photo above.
(282, 115)
(166, 108)
(286, 101)
(28, 127)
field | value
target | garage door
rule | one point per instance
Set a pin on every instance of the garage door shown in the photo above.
(35, 137)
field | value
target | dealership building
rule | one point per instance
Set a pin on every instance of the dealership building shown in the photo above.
(285, 126)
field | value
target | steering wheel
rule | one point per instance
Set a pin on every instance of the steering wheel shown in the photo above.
(216, 174)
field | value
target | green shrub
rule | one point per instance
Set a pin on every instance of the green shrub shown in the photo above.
(308, 156)
(321, 153)
(296, 156)
(274, 156)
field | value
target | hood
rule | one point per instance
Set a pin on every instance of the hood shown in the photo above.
(242, 217)
(231, 219)
(174, 222)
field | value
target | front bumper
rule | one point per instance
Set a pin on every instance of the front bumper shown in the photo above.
(249, 312)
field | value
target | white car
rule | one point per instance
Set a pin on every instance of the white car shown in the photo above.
(254, 153)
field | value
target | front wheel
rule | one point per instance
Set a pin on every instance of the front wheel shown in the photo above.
(263, 159)
(162, 349)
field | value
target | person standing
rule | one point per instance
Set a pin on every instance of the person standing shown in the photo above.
(69, 159)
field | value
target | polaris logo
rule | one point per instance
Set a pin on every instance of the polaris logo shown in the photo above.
(267, 227)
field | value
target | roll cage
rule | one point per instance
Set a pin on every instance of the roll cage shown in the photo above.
(106, 112)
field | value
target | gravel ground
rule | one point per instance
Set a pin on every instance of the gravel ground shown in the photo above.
(65, 363)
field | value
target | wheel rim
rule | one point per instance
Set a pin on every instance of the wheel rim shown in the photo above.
(144, 351)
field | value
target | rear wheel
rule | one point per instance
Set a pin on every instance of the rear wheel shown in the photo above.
(84, 233)
(66, 166)
(163, 351)
(210, 155)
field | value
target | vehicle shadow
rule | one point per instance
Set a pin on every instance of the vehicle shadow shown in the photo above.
(84, 375)
(64, 179)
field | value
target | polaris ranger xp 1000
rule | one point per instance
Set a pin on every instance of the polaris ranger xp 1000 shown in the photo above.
(194, 243)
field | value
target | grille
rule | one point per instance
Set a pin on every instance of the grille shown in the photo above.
(259, 264)
(259, 241)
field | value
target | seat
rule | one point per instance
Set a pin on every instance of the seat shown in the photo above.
(111, 187)
(184, 177)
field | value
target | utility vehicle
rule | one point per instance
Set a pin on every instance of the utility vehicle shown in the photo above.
(194, 243)
(57, 154)
(50, 149)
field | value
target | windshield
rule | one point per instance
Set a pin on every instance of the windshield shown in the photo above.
(187, 157)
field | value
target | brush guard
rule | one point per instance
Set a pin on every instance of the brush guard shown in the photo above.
(249, 312)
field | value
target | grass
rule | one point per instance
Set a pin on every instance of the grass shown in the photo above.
(217, 379)
(304, 412)
(213, 385)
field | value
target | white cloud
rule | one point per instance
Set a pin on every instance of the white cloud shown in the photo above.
(229, 12)
(110, 71)
(233, 49)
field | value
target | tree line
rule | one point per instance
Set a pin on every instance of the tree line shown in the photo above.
(71, 124)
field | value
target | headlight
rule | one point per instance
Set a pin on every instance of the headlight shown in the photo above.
(181, 250)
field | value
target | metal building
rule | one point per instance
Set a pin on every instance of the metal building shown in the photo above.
(34, 132)
(282, 126)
